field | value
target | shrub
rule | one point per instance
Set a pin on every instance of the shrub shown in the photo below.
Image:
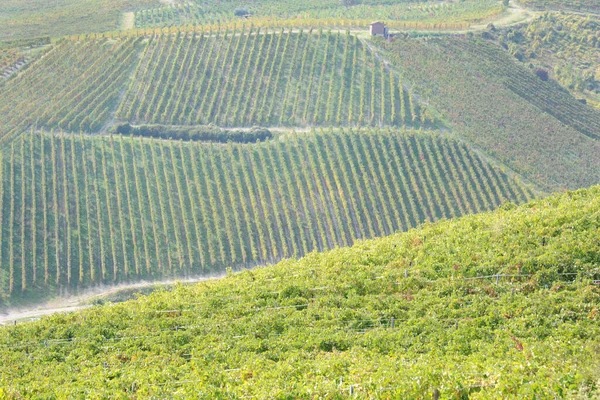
(241, 12)
(202, 133)
(542, 74)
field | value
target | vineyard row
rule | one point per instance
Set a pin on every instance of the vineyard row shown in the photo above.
(79, 210)
(244, 79)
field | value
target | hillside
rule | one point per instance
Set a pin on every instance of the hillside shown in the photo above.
(80, 210)
(33, 18)
(566, 46)
(401, 14)
(490, 99)
(265, 78)
(302, 79)
(582, 6)
(21, 19)
(495, 305)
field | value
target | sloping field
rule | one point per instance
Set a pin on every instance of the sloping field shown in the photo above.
(547, 96)
(258, 78)
(74, 86)
(499, 305)
(401, 14)
(567, 5)
(33, 18)
(501, 106)
(565, 45)
(8, 58)
(83, 210)
(246, 79)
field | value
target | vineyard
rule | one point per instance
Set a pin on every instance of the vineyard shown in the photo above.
(546, 96)
(566, 46)
(81, 97)
(499, 305)
(8, 58)
(533, 126)
(262, 78)
(566, 5)
(415, 14)
(34, 18)
(80, 210)
(304, 79)
(284, 199)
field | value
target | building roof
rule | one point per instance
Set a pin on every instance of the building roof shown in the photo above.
(377, 22)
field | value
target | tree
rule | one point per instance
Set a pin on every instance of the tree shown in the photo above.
(542, 74)
(241, 12)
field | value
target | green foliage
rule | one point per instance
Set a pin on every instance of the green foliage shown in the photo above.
(396, 317)
(495, 103)
(8, 58)
(239, 80)
(79, 210)
(195, 133)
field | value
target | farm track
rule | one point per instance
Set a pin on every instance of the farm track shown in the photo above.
(515, 15)
(68, 304)
(128, 21)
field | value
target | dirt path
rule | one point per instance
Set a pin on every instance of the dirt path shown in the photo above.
(514, 15)
(83, 301)
(128, 21)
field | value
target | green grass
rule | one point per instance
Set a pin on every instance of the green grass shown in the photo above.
(397, 317)
(82, 210)
(499, 105)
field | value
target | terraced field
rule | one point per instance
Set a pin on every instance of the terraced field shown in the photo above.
(82, 210)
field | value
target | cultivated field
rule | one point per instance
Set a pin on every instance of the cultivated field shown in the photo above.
(415, 14)
(302, 79)
(582, 6)
(269, 79)
(79, 210)
(566, 46)
(488, 97)
(502, 304)
(34, 18)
